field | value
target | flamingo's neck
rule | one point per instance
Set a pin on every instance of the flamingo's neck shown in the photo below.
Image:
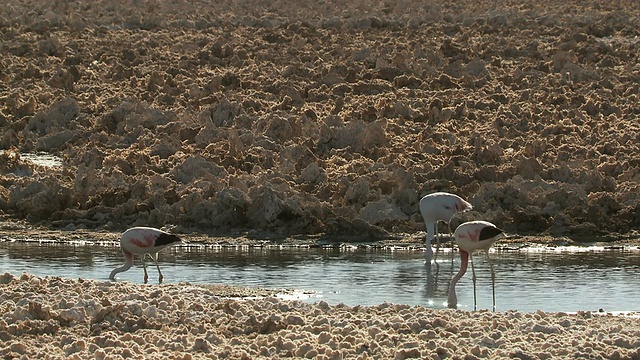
(128, 262)
(464, 262)
(431, 233)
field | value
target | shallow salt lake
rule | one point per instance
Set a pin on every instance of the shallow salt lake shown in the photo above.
(527, 279)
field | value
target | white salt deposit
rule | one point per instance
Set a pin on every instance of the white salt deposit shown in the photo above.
(64, 318)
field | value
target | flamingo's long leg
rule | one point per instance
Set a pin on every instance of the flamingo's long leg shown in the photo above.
(452, 241)
(473, 271)
(435, 226)
(155, 259)
(144, 267)
(493, 280)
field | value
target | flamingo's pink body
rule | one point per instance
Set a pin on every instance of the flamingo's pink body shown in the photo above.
(472, 236)
(143, 241)
(439, 206)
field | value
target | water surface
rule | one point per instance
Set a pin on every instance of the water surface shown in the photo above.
(564, 279)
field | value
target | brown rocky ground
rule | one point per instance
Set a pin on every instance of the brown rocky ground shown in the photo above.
(56, 318)
(326, 117)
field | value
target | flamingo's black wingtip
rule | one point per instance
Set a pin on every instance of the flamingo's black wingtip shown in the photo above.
(167, 239)
(489, 232)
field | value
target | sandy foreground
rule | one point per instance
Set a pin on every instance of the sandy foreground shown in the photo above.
(58, 318)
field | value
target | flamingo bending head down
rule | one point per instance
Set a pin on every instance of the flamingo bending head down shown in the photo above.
(472, 236)
(142, 241)
(439, 206)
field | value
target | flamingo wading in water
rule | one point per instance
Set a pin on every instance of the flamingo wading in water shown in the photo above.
(471, 236)
(143, 241)
(439, 206)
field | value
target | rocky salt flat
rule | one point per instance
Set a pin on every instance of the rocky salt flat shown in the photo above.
(322, 117)
(77, 319)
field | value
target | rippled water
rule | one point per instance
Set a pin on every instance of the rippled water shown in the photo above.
(564, 279)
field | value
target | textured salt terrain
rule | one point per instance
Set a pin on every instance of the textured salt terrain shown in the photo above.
(330, 117)
(78, 319)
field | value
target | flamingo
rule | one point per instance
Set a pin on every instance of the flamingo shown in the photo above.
(143, 241)
(439, 206)
(471, 236)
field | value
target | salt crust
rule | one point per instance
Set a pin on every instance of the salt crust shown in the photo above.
(58, 318)
(329, 117)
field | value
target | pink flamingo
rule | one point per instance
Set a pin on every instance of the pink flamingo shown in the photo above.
(471, 236)
(143, 241)
(439, 206)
